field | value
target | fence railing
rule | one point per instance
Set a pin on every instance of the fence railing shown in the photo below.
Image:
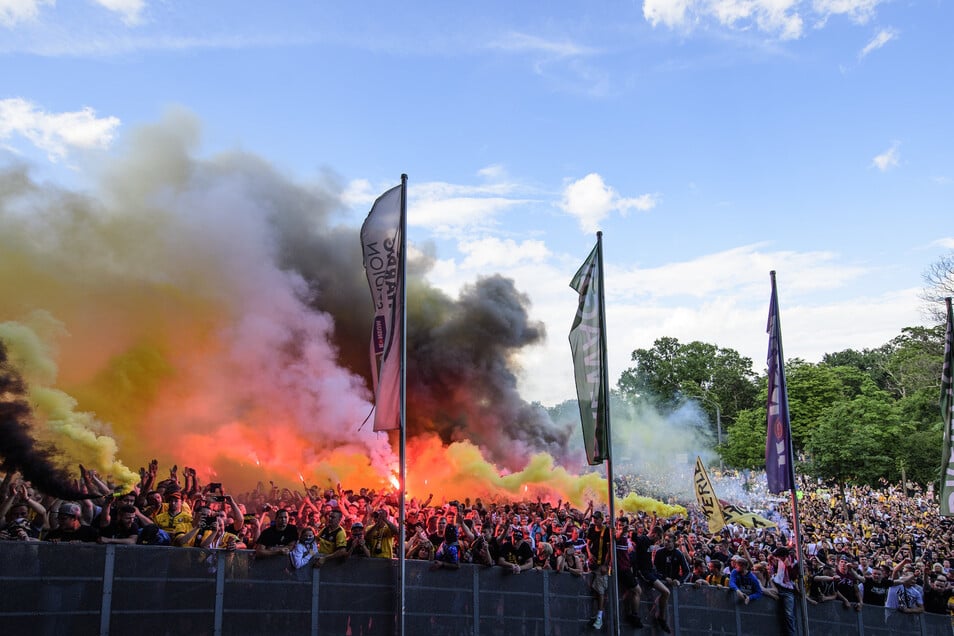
(153, 591)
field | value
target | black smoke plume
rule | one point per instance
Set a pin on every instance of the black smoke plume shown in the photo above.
(18, 450)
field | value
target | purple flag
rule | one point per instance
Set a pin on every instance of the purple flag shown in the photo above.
(778, 440)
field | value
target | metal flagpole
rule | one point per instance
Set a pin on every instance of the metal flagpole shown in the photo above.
(796, 524)
(604, 387)
(403, 403)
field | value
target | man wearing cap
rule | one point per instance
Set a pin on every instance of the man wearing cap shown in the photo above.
(357, 546)
(174, 521)
(69, 528)
(515, 553)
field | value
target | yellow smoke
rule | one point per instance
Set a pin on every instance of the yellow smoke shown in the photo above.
(76, 436)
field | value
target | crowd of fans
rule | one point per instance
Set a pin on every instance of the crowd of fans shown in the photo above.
(861, 546)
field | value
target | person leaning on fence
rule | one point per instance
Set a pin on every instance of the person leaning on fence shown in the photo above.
(69, 527)
(846, 583)
(305, 549)
(357, 545)
(332, 541)
(743, 583)
(570, 561)
(480, 553)
(448, 554)
(380, 535)
(174, 520)
(905, 596)
(937, 595)
(716, 576)
(277, 539)
(123, 529)
(515, 553)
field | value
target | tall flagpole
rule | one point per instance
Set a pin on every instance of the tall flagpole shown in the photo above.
(796, 524)
(604, 383)
(403, 403)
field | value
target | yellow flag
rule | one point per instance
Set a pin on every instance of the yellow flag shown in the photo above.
(734, 514)
(706, 497)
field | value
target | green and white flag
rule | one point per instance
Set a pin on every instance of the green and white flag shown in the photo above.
(587, 344)
(947, 398)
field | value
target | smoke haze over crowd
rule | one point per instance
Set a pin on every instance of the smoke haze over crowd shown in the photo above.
(212, 311)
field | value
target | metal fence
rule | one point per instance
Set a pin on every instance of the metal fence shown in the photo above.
(153, 591)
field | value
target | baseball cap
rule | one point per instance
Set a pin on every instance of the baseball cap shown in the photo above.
(69, 509)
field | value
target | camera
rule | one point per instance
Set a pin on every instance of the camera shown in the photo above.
(208, 524)
(219, 498)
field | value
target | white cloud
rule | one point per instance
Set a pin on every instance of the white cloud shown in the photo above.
(55, 133)
(449, 206)
(720, 298)
(484, 254)
(671, 13)
(561, 62)
(784, 19)
(947, 242)
(14, 11)
(590, 200)
(778, 17)
(890, 158)
(884, 36)
(130, 10)
(858, 10)
(523, 42)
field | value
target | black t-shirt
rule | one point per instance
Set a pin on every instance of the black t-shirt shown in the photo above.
(517, 555)
(116, 530)
(643, 554)
(86, 534)
(935, 601)
(875, 593)
(272, 536)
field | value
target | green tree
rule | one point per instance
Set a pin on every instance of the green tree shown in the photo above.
(870, 361)
(671, 372)
(814, 388)
(744, 446)
(858, 441)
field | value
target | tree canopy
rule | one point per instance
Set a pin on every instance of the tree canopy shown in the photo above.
(857, 416)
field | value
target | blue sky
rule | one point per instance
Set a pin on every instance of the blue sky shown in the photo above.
(710, 140)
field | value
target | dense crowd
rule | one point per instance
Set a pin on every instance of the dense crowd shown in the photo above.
(861, 546)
